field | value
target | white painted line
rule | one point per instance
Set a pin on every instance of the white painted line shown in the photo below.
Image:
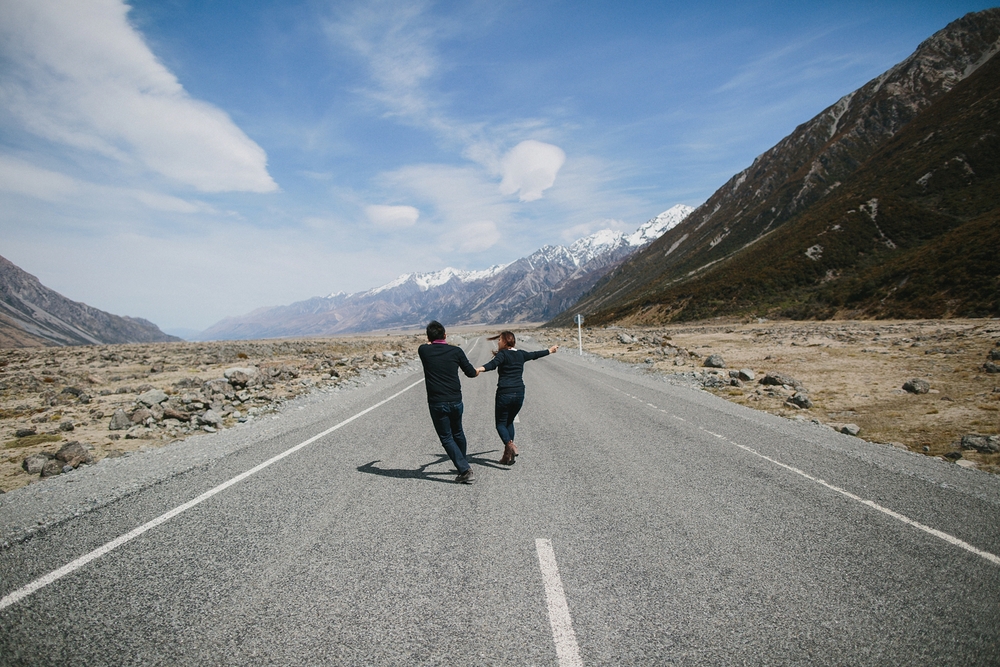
(951, 539)
(69, 568)
(562, 627)
(517, 419)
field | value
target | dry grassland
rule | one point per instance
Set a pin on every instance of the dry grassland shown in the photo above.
(853, 372)
(67, 394)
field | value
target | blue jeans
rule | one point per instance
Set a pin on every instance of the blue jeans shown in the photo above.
(506, 408)
(447, 418)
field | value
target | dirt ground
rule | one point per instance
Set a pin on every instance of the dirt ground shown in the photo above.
(852, 371)
(66, 394)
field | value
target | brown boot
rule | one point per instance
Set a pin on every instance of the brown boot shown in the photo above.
(514, 448)
(508, 455)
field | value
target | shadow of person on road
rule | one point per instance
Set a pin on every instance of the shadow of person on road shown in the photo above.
(431, 476)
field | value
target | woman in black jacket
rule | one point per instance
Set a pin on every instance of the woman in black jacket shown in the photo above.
(509, 362)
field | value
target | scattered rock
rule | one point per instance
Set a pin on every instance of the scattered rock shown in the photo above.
(801, 400)
(66, 426)
(917, 386)
(850, 429)
(625, 339)
(34, 463)
(746, 375)
(779, 379)
(119, 421)
(141, 415)
(24, 432)
(51, 468)
(995, 354)
(715, 361)
(153, 397)
(991, 367)
(75, 453)
(240, 377)
(987, 444)
(210, 418)
(170, 412)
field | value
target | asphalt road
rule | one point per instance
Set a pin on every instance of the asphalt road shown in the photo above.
(643, 523)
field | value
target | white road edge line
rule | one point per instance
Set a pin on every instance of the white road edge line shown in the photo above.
(41, 582)
(951, 539)
(567, 651)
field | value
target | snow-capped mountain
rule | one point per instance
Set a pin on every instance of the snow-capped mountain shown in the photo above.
(531, 289)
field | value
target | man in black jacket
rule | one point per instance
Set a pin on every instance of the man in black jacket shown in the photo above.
(444, 394)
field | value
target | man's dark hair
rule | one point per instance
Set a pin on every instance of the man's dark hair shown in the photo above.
(435, 331)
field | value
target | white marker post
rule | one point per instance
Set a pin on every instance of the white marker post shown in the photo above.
(579, 333)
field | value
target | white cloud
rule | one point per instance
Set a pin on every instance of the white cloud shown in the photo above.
(530, 168)
(392, 217)
(21, 178)
(476, 236)
(77, 73)
(576, 232)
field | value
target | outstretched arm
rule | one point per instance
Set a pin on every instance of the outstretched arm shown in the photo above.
(553, 349)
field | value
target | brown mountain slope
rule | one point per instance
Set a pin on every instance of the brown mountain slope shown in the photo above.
(32, 314)
(742, 249)
(913, 233)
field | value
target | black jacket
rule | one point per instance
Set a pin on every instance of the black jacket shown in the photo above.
(441, 363)
(510, 365)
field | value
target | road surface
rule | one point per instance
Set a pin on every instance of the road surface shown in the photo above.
(644, 523)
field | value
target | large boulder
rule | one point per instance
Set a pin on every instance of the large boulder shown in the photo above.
(152, 397)
(218, 386)
(801, 400)
(241, 377)
(917, 386)
(34, 463)
(715, 361)
(210, 418)
(987, 444)
(120, 421)
(74, 453)
(779, 379)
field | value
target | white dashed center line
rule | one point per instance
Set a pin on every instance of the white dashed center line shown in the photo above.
(567, 651)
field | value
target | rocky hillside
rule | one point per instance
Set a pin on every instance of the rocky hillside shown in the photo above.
(837, 175)
(531, 289)
(32, 315)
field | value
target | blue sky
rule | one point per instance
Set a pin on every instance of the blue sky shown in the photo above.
(186, 161)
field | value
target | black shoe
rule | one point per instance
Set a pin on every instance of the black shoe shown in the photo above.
(467, 477)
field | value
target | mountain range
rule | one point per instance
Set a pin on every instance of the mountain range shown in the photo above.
(33, 315)
(883, 205)
(531, 289)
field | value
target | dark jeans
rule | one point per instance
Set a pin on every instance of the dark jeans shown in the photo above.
(506, 408)
(447, 418)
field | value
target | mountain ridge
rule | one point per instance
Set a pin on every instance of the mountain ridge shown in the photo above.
(33, 315)
(530, 289)
(785, 182)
